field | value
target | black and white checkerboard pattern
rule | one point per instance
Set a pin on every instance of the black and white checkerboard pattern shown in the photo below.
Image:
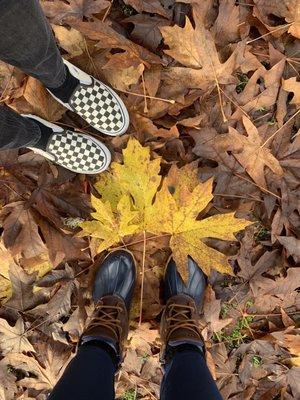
(96, 105)
(76, 152)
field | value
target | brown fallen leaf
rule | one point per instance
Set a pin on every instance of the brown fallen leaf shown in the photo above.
(60, 204)
(59, 297)
(280, 287)
(250, 153)
(211, 311)
(71, 40)
(150, 6)
(43, 374)
(146, 29)
(8, 387)
(61, 246)
(13, 338)
(226, 26)
(22, 298)
(292, 245)
(287, 9)
(225, 367)
(36, 100)
(291, 85)
(59, 11)
(122, 78)
(21, 233)
(195, 49)
(107, 37)
(293, 379)
(260, 96)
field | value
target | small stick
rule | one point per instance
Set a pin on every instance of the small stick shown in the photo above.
(145, 98)
(275, 133)
(148, 97)
(269, 33)
(107, 11)
(255, 184)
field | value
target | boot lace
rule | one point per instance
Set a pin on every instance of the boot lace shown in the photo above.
(180, 317)
(107, 316)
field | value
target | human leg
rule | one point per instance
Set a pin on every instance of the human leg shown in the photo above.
(27, 42)
(90, 375)
(183, 354)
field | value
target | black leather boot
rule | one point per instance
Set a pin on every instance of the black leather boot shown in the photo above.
(179, 325)
(112, 294)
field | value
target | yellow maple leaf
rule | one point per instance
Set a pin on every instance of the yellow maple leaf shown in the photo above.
(179, 220)
(108, 226)
(131, 203)
(137, 177)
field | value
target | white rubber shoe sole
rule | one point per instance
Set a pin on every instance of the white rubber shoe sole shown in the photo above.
(97, 104)
(76, 152)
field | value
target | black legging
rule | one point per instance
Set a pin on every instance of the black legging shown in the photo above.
(90, 376)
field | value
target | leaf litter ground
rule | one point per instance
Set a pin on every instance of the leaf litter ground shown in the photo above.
(213, 92)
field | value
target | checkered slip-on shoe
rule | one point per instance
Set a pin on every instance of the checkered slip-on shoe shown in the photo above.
(76, 152)
(97, 104)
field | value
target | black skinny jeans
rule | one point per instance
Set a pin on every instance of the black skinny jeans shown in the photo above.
(26, 41)
(90, 376)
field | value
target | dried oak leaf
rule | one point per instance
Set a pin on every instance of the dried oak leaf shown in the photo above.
(59, 10)
(196, 49)
(13, 339)
(250, 152)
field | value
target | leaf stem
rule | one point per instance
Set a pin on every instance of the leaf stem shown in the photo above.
(143, 276)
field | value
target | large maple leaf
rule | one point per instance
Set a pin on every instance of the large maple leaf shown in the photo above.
(196, 49)
(131, 203)
(179, 219)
